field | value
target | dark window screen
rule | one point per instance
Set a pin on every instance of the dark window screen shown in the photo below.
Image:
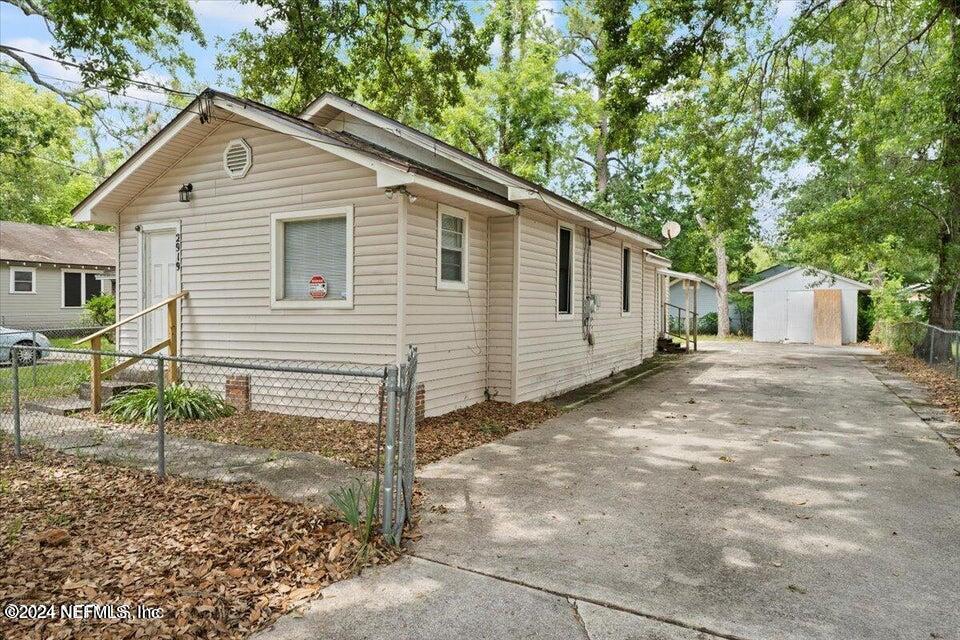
(565, 272)
(626, 280)
(73, 289)
(93, 286)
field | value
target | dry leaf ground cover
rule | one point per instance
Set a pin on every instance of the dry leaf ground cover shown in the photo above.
(220, 560)
(944, 388)
(355, 443)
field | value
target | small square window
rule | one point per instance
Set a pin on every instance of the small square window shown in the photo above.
(22, 280)
(452, 239)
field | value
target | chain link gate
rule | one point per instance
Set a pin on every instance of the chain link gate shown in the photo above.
(400, 449)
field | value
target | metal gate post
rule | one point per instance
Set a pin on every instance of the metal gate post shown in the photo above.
(36, 356)
(931, 345)
(15, 380)
(161, 454)
(389, 453)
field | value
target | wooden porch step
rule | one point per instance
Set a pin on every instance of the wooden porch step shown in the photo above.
(111, 388)
(57, 406)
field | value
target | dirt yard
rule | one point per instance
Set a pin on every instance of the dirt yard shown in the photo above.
(355, 443)
(221, 560)
(944, 388)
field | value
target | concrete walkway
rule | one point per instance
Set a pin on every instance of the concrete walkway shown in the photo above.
(297, 476)
(754, 492)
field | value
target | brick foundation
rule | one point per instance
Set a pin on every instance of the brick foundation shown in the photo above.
(420, 399)
(238, 392)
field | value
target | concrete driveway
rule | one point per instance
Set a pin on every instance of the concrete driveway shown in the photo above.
(754, 492)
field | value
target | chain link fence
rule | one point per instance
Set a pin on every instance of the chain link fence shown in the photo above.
(937, 347)
(232, 419)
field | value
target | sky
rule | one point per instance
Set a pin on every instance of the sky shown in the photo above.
(219, 19)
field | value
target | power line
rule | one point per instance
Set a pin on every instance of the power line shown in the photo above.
(51, 160)
(87, 67)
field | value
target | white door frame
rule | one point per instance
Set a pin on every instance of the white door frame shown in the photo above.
(145, 230)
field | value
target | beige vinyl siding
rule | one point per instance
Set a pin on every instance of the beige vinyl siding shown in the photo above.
(225, 236)
(500, 309)
(42, 309)
(449, 326)
(553, 354)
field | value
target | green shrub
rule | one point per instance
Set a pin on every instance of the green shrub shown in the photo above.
(100, 311)
(707, 324)
(179, 403)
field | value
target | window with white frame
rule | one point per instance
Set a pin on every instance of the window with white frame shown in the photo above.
(312, 259)
(78, 287)
(452, 243)
(564, 271)
(23, 280)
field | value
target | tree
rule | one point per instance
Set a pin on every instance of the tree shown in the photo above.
(113, 45)
(408, 59)
(876, 88)
(39, 139)
(516, 115)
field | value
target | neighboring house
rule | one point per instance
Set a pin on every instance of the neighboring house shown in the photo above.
(48, 273)
(805, 305)
(343, 235)
(706, 300)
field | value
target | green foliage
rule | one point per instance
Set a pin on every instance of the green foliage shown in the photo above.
(405, 58)
(357, 504)
(100, 311)
(179, 403)
(707, 324)
(743, 303)
(114, 42)
(38, 140)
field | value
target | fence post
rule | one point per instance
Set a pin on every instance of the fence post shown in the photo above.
(389, 450)
(161, 458)
(931, 330)
(36, 356)
(15, 380)
(956, 355)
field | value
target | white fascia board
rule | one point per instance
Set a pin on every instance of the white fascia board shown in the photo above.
(87, 213)
(832, 276)
(463, 194)
(526, 195)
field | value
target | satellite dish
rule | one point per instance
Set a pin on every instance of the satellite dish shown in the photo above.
(670, 229)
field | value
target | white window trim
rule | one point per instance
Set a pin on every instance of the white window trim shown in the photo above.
(452, 285)
(33, 281)
(276, 258)
(83, 287)
(629, 289)
(573, 274)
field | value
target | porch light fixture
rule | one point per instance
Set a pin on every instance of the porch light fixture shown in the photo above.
(185, 192)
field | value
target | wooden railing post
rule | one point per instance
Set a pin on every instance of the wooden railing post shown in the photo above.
(95, 374)
(172, 329)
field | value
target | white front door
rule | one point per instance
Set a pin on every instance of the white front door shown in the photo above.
(158, 280)
(800, 316)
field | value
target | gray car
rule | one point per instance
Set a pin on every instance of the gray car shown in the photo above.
(19, 337)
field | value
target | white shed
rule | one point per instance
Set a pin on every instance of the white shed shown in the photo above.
(805, 305)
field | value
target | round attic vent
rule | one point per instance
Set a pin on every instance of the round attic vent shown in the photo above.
(237, 158)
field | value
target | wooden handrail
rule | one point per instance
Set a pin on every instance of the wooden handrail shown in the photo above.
(182, 294)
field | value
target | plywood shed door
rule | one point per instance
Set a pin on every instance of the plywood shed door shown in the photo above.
(800, 316)
(827, 313)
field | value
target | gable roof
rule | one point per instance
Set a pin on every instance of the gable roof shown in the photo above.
(762, 275)
(393, 168)
(826, 274)
(24, 242)
(519, 190)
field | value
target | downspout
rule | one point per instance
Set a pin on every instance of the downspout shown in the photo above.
(402, 212)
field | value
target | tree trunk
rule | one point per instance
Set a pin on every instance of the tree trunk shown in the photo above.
(943, 290)
(723, 276)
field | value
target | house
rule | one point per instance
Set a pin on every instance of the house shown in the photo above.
(342, 235)
(48, 273)
(805, 305)
(706, 302)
